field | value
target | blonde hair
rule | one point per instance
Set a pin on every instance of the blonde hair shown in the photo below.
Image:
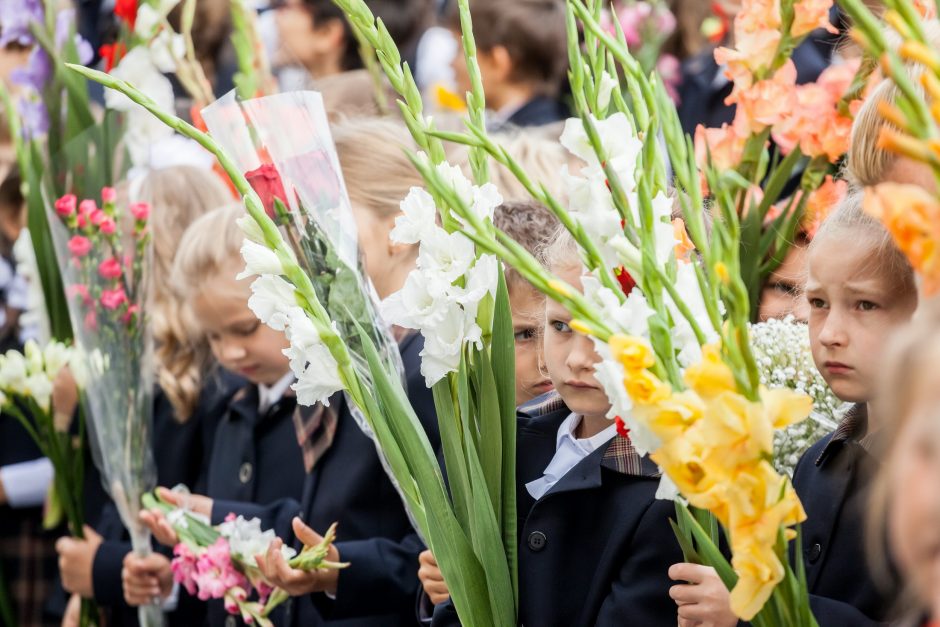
(915, 350)
(373, 153)
(177, 195)
(867, 164)
(885, 256)
(210, 247)
(540, 156)
(561, 252)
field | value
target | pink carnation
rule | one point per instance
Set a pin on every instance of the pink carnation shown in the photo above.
(79, 290)
(110, 268)
(108, 226)
(108, 195)
(79, 246)
(112, 299)
(88, 207)
(65, 206)
(95, 216)
(140, 211)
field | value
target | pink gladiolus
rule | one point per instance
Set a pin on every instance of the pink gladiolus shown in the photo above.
(108, 226)
(112, 299)
(215, 573)
(109, 268)
(108, 195)
(79, 246)
(184, 567)
(140, 211)
(65, 206)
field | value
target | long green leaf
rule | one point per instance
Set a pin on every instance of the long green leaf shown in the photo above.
(491, 436)
(451, 442)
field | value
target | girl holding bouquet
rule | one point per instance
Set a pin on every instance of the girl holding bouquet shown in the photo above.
(341, 474)
(860, 289)
(187, 400)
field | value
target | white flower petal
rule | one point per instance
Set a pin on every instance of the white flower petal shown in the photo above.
(418, 217)
(271, 299)
(259, 260)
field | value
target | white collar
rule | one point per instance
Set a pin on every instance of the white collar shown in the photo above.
(567, 432)
(269, 395)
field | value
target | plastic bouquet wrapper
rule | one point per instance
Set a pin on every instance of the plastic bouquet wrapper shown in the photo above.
(784, 360)
(218, 562)
(104, 252)
(298, 177)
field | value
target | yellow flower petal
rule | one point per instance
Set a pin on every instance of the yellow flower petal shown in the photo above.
(633, 352)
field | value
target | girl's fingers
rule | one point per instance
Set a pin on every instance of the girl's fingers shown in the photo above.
(685, 594)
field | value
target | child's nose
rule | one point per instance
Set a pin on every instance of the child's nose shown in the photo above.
(582, 356)
(833, 330)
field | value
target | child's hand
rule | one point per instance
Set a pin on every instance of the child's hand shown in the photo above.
(73, 612)
(298, 582)
(161, 529)
(704, 601)
(431, 578)
(64, 399)
(76, 557)
(146, 578)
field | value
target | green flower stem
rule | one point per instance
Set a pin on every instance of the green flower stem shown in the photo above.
(367, 54)
(476, 100)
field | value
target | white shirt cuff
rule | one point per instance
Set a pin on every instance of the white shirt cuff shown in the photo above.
(169, 604)
(27, 483)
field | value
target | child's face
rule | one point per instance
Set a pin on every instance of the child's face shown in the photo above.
(783, 293)
(570, 357)
(239, 341)
(914, 489)
(854, 307)
(528, 320)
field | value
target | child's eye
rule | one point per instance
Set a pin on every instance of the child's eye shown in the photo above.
(524, 335)
(561, 327)
(247, 330)
(817, 303)
(866, 305)
(784, 287)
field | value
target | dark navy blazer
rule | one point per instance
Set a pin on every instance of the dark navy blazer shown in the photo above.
(832, 480)
(595, 549)
(349, 486)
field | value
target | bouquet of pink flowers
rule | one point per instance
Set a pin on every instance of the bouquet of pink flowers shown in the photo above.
(103, 254)
(218, 562)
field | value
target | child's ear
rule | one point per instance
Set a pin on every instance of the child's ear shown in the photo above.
(330, 35)
(502, 63)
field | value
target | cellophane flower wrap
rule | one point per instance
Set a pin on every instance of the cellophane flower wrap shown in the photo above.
(784, 360)
(103, 247)
(218, 561)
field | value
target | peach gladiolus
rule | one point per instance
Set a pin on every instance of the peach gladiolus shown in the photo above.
(912, 216)
(808, 15)
(821, 203)
(767, 102)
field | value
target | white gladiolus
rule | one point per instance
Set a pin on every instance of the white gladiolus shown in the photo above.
(271, 300)
(259, 259)
(448, 256)
(418, 217)
(246, 539)
(165, 49)
(310, 360)
(250, 228)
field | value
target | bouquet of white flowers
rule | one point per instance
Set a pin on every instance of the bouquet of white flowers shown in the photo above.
(784, 360)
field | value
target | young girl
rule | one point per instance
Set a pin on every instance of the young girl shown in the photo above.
(187, 400)
(905, 505)
(347, 484)
(860, 289)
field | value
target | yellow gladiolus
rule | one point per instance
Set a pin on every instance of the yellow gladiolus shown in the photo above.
(759, 571)
(671, 418)
(711, 376)
(633, 352)
(645, 388)
(785, 407)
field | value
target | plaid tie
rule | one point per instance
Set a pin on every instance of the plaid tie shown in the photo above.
(315, 427)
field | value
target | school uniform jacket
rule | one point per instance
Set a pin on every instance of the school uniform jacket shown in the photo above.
(181, 452)
(596, 548)
(832, 480)
(348, 485)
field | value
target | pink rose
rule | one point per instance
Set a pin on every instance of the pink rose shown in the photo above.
(112, 299)
(91, 320)
(65, 206)
(140, 211)
(110, 268)
(88, 207)
(108, 195)
(96, 216)
(79, 246)
(132, 311)
(108, 226)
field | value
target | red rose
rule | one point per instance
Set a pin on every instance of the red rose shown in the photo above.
(110, 268)
(266, 181)
(79, 246)
(65, 206)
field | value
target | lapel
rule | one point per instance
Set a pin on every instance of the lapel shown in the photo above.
(535, 448)
(835, 475)
(312, 478)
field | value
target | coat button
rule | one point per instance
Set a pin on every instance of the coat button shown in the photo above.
(229, 621)
(537, 541)
(814, 552)
(244, 473)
